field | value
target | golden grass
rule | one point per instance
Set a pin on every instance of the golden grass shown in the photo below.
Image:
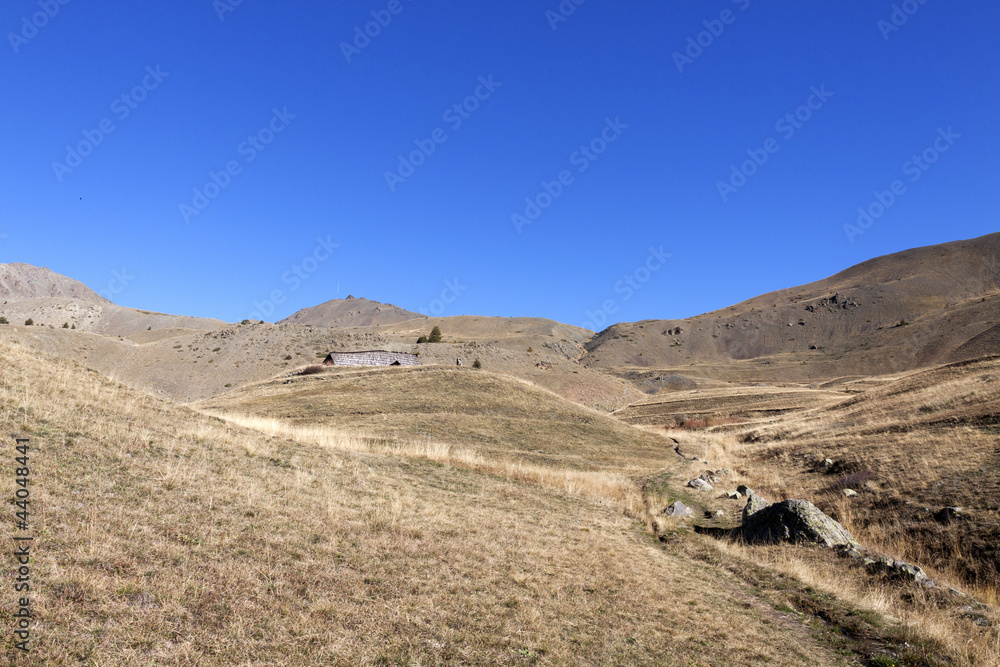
(164, 536)
(615, 488)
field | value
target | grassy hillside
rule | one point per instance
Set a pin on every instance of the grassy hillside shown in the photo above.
(164, 536)
(188, 365)
(910, 445)
(490, 413)
(909, 310)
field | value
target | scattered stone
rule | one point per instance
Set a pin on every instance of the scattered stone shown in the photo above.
(949, 514)
(678, 509)
(792, 521)
(827, 463)
(700, 484)
(709, 477)
(853, 551)
(719, 513)
(725, 472)
(850, 493)
(734, 495)
(745, 490)
(897, 569)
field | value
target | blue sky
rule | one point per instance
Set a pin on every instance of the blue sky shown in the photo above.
(622, 122)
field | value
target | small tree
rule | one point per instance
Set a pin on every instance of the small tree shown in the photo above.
(73, 327)
(29, 322)
(476, 364)
(65, 325)
(3, 320)
(435, 336)
(422, 339)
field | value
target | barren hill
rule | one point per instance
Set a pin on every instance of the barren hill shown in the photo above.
(24, 281)
(50, 299)
(907, 310)
(350, 312)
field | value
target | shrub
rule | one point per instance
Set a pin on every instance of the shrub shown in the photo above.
(288, 357)
(65, 325)
(3, 320)
(312, 370)
(530, 350)
(476, 364)
(73, 327)
(435, 336)
(29, 322)
(422, 339)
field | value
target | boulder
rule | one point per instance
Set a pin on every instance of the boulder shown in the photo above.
(792, 521)
(700, 484)
(678, 509)
(745, 490)
(850, 493)
(734, 495)
(754, 504)
(897, 569)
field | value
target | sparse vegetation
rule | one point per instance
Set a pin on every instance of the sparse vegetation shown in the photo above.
(477, 364)
(29, 322)
(65, 325)
(3, 320)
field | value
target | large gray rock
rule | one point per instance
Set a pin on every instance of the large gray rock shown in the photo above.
(792, 521)
(678, 509)
(754, 504)
(700, 484)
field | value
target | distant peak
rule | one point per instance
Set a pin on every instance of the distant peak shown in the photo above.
(349, 297)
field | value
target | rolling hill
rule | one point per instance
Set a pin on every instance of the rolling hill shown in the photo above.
(908, 310)
(350, 312)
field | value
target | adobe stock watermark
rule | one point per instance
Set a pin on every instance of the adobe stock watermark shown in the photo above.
(581, 158)
(119, 281)
(30, 25)
(248, 149)
(294, 277)
(454, 116)
(452, 290)
(223, 7)
(696, 44)
(562, 13)
(122, 107)
(381, 18)
(900, 16)
(914, 168)
(786, 126)
(629, 284)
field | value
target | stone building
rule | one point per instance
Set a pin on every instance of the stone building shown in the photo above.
(371, 358)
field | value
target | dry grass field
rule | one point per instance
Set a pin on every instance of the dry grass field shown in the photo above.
(909, 445)
(167, 536)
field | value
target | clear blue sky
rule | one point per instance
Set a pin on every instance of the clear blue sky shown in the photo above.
(608, 69)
